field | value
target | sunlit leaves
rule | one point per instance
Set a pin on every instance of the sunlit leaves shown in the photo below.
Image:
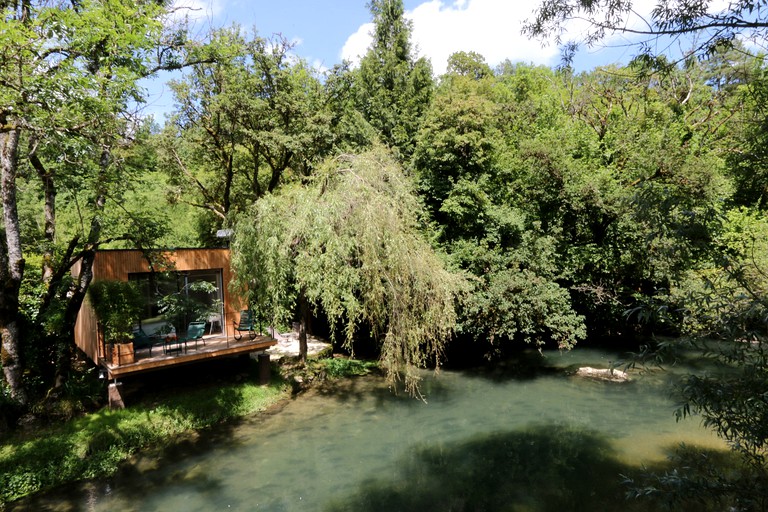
(519, 305)
(350, 243)
(392, 88)
(65, 66)
(246, 121)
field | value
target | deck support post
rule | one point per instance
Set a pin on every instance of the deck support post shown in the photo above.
(265, 372)
(115, 395)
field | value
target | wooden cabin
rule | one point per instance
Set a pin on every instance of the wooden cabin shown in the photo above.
(179, 268)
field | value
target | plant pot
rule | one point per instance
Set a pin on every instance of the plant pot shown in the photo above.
(122, 353)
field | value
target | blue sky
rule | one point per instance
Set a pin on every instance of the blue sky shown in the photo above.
(326, 32)
(319, 28)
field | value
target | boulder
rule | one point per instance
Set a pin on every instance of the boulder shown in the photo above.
(609, 374)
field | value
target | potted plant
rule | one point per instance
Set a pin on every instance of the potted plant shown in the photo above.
(118, 306)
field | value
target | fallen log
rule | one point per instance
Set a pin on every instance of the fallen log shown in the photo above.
(607, 374)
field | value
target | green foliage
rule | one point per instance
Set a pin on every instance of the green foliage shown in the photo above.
(352, 133)
(747, 161)
(519, 305)
(160, 222)
(339, 367)
(456, 156)
(349, 243)
(118, 34)
(249, 117)
(118, 306)
(470, 64)
(722, 297)
(32, 288)
(489, 213)
(392, 89)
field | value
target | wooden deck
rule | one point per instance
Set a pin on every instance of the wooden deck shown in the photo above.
(216, 346)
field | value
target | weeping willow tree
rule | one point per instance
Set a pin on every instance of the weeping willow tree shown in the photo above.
(349, 243)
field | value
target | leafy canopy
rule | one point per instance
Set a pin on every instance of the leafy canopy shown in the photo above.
(349, 243)
(392, 88)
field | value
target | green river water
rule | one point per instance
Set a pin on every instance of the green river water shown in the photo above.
(486, 440)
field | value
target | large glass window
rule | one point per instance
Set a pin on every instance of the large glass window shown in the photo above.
(178, 298)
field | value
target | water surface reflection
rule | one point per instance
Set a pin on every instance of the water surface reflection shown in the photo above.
(497, 440)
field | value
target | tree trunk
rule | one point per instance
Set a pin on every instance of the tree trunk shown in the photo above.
(228, 179)
(74, 300)
(12, 264)
(76, 294)
(49, 196)
(303, 326)
(255, 185)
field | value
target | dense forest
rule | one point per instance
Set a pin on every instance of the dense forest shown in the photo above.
(458, 216)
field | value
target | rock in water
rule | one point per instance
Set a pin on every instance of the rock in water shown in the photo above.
(608, 374)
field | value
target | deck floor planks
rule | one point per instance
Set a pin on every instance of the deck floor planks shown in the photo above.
(216, 346)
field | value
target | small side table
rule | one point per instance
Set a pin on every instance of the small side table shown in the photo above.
(168, 342)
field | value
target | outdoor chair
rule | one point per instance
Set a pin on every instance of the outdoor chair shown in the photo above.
(246, 324)
(213, 320)
(195, 331)
(143, 340)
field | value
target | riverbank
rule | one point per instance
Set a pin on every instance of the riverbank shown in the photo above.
(96, 445)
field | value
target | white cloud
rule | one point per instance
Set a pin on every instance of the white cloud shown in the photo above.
(357, 44)
(488, 27)
(492, 28)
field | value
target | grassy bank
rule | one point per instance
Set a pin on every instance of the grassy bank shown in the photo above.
(94, 446)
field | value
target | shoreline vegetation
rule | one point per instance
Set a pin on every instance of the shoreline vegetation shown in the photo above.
(98, 444)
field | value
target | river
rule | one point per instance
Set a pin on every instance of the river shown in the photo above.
(482, 440)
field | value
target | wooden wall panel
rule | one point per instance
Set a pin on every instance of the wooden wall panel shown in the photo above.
(86, 331)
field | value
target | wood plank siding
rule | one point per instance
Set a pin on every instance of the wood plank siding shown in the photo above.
(119, 264)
